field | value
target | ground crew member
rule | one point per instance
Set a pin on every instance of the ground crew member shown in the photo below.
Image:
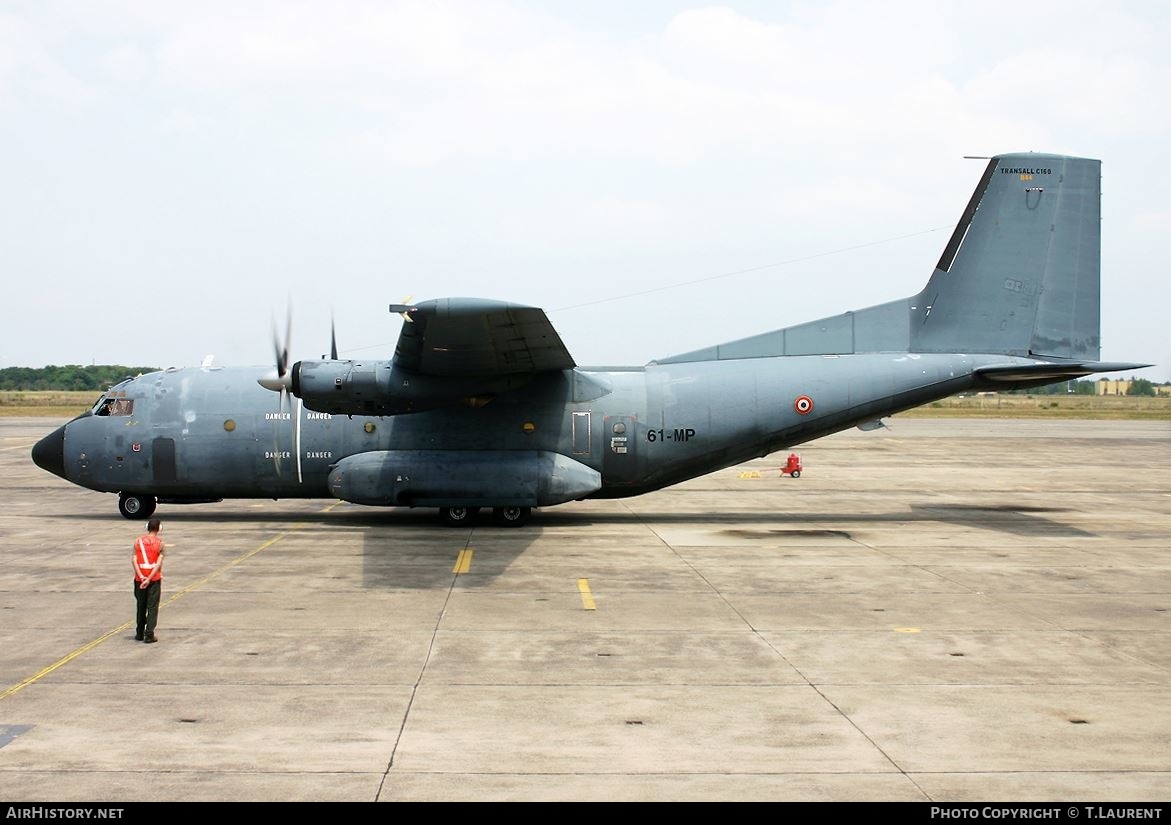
(147, 561)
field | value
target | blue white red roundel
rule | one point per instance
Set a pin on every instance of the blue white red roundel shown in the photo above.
(803, 405)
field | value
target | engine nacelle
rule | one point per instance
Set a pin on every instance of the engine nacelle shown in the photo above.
(462, 478)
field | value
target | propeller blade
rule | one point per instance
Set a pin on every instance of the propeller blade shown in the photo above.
(279, 356)
(276, 451)
(280, 379)
(404, 309)
(283, 363)
(288, 331)
(332, 338)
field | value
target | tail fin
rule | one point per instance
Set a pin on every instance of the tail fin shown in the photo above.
(1020, 276)
(1021, 272)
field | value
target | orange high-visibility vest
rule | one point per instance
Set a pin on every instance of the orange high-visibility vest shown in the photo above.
(147, 550)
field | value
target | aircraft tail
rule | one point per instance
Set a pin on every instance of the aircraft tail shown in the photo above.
(1019, 276)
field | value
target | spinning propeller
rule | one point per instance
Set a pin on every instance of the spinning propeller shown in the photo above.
(280, 378)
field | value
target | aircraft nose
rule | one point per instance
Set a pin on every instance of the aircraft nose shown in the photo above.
(49, 452)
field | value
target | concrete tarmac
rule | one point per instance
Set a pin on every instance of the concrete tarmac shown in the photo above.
(945, 610)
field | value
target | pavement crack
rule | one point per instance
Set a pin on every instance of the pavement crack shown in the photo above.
(422, 671)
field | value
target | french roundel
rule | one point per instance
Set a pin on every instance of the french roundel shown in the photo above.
(803, 405)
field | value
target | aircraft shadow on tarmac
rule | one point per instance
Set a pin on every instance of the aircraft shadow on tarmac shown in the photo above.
(404, 549)
(1009, 518)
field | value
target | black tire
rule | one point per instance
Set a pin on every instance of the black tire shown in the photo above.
(136, 506)
(458, 516)
(796, 474)
(511, 516)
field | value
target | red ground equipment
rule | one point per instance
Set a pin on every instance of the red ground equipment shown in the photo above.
(792, 466)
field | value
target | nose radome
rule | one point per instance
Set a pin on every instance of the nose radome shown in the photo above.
(49, 452)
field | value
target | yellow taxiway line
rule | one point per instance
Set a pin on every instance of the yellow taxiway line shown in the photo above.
(587, 598)
(73, 654)
(463, 562)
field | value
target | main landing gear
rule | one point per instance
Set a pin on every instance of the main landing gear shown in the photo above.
(501, 516)
(458, 516)
(136, 505)
(511, 516)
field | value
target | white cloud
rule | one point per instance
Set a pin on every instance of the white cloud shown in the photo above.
(30, 72)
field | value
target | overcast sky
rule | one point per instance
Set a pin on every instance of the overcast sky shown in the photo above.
(172, 173)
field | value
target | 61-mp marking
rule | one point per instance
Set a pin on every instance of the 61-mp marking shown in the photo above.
(678, 434)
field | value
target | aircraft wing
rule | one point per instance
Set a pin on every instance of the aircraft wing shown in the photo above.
(474, 337)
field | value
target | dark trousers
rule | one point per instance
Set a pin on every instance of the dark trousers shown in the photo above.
(148, 608)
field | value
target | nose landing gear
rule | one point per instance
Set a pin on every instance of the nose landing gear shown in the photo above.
(136, 506)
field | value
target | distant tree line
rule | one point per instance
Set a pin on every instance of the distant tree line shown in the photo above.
(69, 377)
(1139, 386)
(1063, 388)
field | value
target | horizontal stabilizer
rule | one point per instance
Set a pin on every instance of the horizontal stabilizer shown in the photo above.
(1050, 371)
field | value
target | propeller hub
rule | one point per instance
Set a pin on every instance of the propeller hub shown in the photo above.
(275, 381)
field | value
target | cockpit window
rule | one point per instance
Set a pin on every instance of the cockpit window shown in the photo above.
(116, 407)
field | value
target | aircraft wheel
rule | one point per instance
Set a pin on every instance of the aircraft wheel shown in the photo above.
(135, 506)
(796, 474)
(458, 516)
(511, 516)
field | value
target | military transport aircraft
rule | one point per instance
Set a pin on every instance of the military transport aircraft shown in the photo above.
(483, 406)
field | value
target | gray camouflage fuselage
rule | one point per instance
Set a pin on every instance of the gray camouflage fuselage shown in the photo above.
(229, 438)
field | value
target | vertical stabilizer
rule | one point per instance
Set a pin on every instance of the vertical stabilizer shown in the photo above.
(1020, 274)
